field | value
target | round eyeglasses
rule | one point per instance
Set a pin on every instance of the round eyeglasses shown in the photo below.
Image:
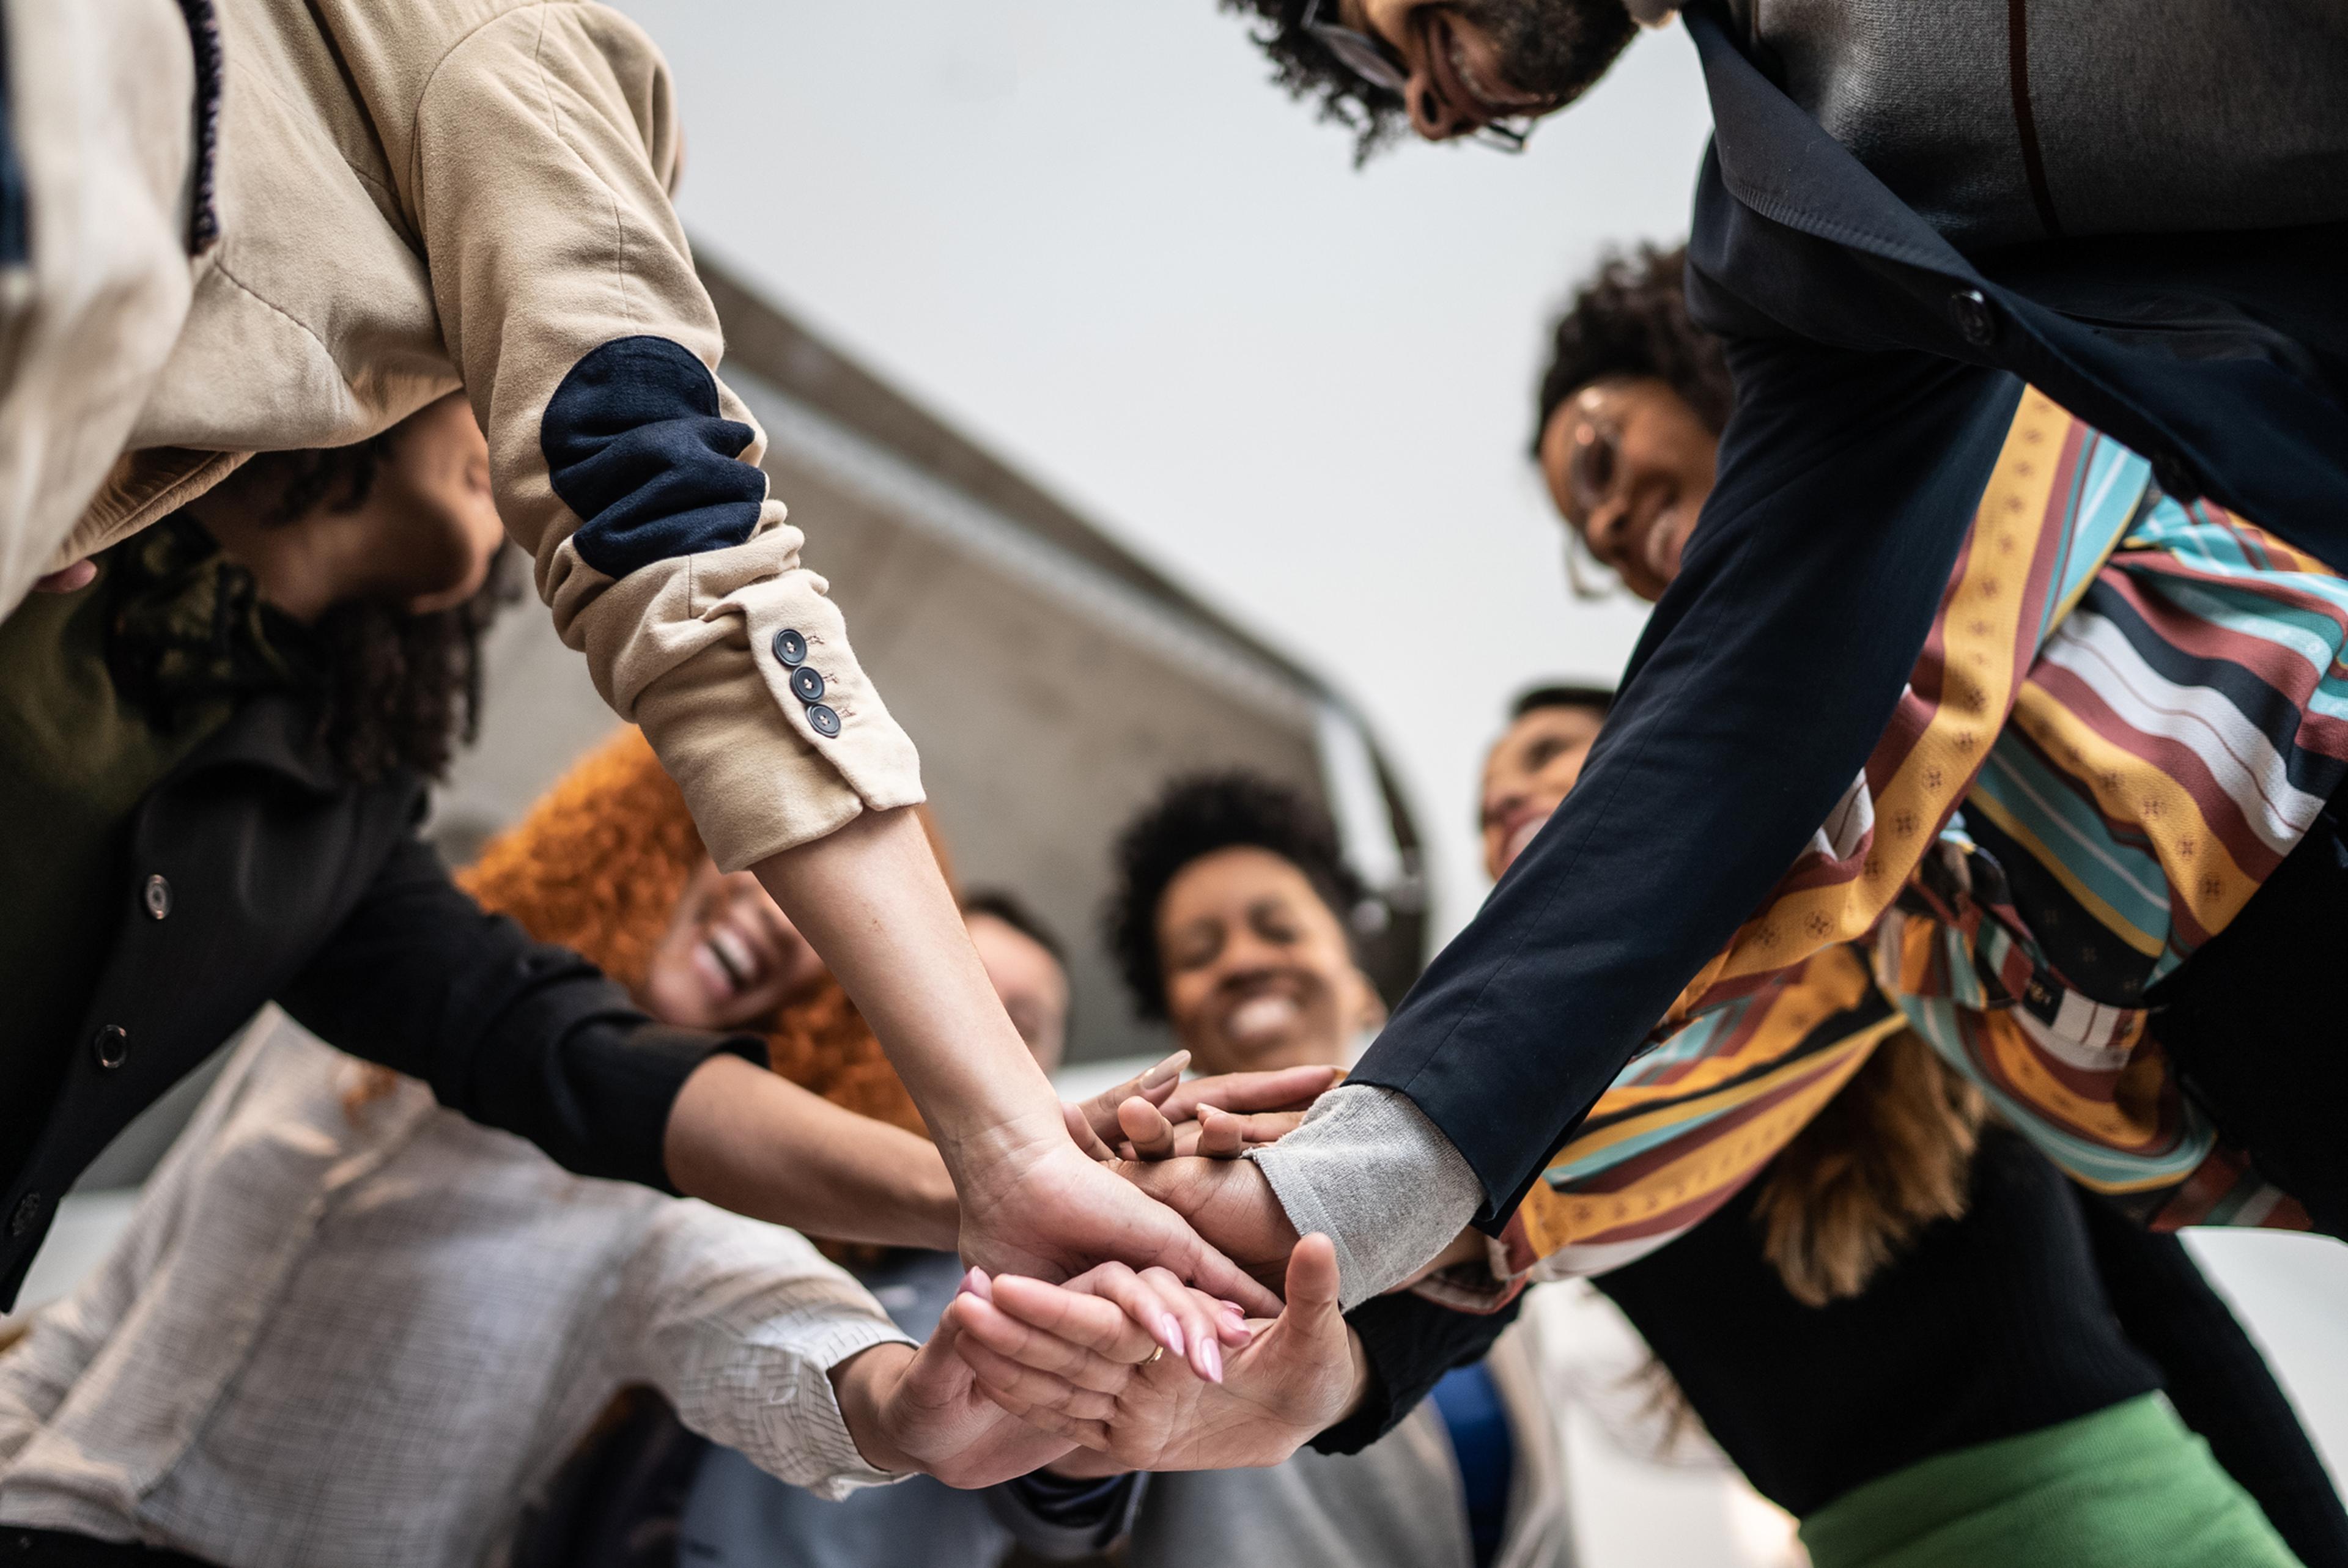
(1370, 60)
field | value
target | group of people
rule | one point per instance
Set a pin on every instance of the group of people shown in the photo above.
(1930, 923)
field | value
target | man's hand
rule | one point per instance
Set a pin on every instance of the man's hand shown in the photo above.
(1231, 1203)
(1043, 1207)
(1072, 1365)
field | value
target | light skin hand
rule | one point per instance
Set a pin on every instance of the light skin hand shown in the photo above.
(1066, 1367)
(871, 901)
(922, 1410)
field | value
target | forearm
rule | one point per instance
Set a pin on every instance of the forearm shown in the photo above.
(862, 1385)
(745, 1140)
(1371, 1173)
(872, 899)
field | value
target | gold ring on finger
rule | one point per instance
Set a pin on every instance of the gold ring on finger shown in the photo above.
(1154, 1355)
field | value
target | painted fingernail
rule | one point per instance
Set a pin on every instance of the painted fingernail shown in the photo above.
(976, 1284)
(1169, 1068)
(1171, 1332)
(1214, 1361)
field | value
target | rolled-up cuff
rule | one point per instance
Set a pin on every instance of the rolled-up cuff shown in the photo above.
(1371, 1173)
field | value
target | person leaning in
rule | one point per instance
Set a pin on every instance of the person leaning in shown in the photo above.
(388, 205)
(1886, 283)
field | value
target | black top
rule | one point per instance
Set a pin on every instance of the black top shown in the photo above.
(2038, 1306)
(257, 870)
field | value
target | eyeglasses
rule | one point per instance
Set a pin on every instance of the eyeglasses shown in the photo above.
(1375, 66)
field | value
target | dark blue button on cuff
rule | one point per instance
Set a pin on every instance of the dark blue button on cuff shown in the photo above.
(806, 684)
(790, 648)
(826, 721)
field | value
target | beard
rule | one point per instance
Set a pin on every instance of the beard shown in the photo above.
(1553, 49)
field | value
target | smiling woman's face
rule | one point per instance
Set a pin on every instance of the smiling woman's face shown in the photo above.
(729, 958)
(1257, 972)
(1629, 464)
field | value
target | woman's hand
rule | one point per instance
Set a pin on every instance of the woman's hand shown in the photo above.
(1158, 1115)
(1076, 1366)
(921, 1410)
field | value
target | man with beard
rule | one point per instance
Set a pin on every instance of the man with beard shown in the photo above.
(1904, 218)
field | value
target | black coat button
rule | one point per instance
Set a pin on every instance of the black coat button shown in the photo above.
(27, 1214)
(2175, 479)
(111, 1046)
(157, 895)
(1976, 322)
(790, 648)
(806, 684)
(826, 721)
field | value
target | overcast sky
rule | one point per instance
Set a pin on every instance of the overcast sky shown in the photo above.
(1092, 235)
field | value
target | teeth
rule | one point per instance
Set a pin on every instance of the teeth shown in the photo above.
(733, 956)
(1261, 1016)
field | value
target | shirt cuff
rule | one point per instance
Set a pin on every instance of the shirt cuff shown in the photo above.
(803, 1433)
(1371, 1173)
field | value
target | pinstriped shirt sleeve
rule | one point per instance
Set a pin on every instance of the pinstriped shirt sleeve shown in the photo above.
(739, 1324)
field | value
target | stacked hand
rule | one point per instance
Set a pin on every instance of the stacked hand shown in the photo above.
(1074, 1361)
(925, 1410)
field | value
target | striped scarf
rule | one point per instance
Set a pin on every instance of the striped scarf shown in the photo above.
(2127, 713)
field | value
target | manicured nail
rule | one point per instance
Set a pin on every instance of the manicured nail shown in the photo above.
(1214, 1361)
(976, 1284)
(1171, 1067)
(1170, 1333)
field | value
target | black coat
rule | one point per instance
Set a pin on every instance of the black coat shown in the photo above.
(256, 871)
(1877, 372)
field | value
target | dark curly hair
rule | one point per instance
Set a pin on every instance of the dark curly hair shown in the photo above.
(1568, 44)
(1194, 818)
(1632, 320)
(1299, 63)
(402, 691)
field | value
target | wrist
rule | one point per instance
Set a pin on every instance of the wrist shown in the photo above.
(865, 1385)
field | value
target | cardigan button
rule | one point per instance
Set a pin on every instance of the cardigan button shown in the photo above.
(1976, 324)
(790, 648)
(157, 897)
(27, 1214)
(112, 1045)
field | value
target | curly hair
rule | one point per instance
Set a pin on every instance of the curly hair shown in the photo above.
(1632, 320)
(1194, 818)
(1302, 64)
(400, 690)
(598, 865)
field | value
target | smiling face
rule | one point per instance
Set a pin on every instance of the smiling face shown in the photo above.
(730, 958)
(1470, 63)
(1527, 774)
(1629, 464)
(1257, 969)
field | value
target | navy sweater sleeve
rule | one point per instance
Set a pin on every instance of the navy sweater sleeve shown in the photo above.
(1846, 482)
(517, 1035)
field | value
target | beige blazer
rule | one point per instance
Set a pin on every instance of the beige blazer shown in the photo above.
(438, 193)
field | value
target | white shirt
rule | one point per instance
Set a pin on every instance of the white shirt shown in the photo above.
(331, 1337)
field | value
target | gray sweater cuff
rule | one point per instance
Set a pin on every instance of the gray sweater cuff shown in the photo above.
(1371, 1173)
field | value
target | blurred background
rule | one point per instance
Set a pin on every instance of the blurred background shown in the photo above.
(1144, 433)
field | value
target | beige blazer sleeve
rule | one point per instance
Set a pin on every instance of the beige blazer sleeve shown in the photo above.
(531, 147)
